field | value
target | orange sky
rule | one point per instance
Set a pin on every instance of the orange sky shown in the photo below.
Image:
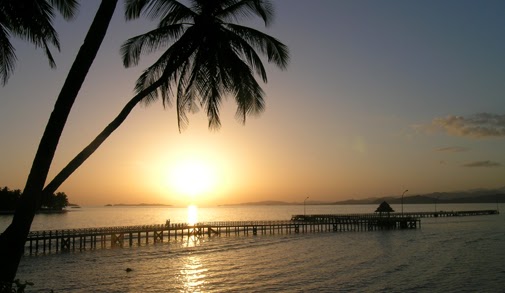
(379, 97)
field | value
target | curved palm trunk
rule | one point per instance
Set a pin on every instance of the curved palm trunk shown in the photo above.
(12, 240)
(95, 144)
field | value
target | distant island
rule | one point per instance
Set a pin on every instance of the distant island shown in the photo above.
(138, 205)
(472, 196)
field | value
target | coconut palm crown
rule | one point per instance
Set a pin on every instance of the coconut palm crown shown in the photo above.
(207, 56)
(30, 20)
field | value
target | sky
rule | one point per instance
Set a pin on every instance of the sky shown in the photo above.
(379, 97)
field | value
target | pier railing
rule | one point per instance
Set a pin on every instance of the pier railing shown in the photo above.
(51, 241)
(401, 215)
(109, 237)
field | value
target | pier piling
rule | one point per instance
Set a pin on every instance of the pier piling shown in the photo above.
(111, 237)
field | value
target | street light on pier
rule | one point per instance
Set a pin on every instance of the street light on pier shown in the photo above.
(402, 199)
(304, 204)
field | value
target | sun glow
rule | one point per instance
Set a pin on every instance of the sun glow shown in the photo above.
(192, 178)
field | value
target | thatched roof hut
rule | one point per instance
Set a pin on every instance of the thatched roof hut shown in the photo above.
(384, 207)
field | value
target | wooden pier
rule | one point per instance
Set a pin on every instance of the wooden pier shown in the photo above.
(401, 215)
(55, 241)
(450, 213)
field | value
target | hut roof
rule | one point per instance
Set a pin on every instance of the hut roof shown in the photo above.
(384, 207)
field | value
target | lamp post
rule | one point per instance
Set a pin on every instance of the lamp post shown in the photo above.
(304, 204)
(402, 199)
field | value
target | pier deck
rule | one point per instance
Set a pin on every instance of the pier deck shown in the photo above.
(403, 215)
(127, 236)
(55, 241)
(451, 213)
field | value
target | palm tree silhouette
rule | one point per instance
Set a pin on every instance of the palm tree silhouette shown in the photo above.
(31, 21)
(210, 57)
(13, 238)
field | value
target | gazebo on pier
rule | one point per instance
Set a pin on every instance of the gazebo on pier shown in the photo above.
(384, 207)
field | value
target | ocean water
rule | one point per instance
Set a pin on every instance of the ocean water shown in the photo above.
(464, 254)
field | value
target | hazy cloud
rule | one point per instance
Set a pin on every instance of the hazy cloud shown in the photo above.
(454, 149)
(478, 126)
(485, 164)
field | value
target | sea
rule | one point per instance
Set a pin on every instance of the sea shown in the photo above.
(457, 254)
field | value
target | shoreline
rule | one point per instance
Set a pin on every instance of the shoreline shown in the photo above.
(8, 213)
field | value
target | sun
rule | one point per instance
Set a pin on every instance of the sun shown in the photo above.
(191, 178)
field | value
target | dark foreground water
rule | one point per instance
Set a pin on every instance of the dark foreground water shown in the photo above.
(465, 254)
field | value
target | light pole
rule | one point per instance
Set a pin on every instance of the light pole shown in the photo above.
(402, 199)
(304, 204)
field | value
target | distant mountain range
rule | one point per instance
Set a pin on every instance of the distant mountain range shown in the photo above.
(470, 196)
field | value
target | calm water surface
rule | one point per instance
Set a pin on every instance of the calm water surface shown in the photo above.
(463, 254)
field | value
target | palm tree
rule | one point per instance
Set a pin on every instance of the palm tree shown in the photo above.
(210, 57)
(12, 240)
(31, 20)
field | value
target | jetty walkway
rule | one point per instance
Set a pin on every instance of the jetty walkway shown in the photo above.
(55, 241)
(451, 213)
(399, 215)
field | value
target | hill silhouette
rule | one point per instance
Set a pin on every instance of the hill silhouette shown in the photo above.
(470, 196)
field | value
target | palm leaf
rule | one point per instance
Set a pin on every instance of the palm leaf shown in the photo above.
(247, 9)
(30, 21)
(67, 8)
(149, 42)
(155, 9)
(210, 57)
(7, 56)
(244, 49)
(275, 51)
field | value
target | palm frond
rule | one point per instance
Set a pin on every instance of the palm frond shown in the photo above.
(275, 51)
(7, 56)
(249, 97)
(243, 48)
(168, 67)
(134, 8)
(34, 23)
(31, 21)
(212, 105)
(177, 14)
(208, 83)
(248, 8)
(144, 80)
(154, 9)
(185, 96)
(49, 56)
(248, 94)
(149, 42)
(67, 8)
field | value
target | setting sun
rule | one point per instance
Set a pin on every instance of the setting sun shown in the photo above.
(191, 178)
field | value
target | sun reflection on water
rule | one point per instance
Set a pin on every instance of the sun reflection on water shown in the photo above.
(192, 214)
(193, 274)
(194, 239)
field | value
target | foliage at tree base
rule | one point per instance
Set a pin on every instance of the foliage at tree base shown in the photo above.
(16, 287)
(9, 199)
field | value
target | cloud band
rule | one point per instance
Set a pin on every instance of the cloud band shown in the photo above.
(480, 125)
